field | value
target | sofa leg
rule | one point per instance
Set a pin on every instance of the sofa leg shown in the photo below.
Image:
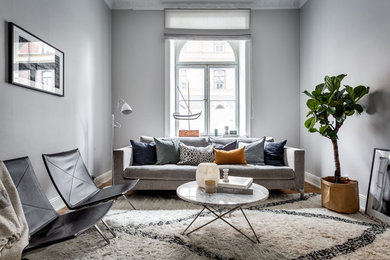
(302, 192)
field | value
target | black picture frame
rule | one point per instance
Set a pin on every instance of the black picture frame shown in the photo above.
(378, 195)
(34, 63)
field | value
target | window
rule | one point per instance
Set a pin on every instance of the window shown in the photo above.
(207, 81)
(207, 68)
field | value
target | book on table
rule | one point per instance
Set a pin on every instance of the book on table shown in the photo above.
(236, 182)
(247, 191)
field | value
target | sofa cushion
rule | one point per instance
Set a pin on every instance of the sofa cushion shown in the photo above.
(188, 172)
(143, 153)
(166, 151)
(236, 156)
(273, 153)
(254, 152)
(191, 141)
(226, 147)
(191, 155)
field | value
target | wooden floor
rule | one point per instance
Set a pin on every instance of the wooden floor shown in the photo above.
(309, 188)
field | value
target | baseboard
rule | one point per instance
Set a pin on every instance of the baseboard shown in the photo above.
(103, 178)
(57, 203)
(316, 181)
(362, 201)
(313, 179)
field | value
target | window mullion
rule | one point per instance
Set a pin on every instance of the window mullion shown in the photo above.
(207, 99)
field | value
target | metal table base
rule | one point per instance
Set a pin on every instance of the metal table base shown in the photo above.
(220, 216)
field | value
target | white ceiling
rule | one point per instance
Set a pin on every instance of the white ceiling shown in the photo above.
(209, 4)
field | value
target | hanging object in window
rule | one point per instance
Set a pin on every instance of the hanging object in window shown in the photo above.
(189, 116)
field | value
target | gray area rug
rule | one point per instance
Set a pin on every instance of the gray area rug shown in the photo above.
(288, 228)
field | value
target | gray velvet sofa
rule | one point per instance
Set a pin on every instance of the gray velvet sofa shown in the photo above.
(170, 176)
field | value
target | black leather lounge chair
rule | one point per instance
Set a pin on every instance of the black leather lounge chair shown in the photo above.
(75, 184)
(46, 226)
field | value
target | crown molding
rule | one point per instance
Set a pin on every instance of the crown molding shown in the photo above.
(203, 4)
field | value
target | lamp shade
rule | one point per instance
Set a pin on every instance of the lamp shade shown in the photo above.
(206, 171)
(126, 109)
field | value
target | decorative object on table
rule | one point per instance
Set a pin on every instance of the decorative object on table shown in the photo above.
(378, 196)
(206, 171)
(215, 132)
(33, 63)
(236, 156)
(236, 182)
(225, 175)
(189, 116)
(329, 106)
(210, 186)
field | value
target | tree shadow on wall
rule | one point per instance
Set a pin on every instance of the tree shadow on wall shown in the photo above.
(378, 105)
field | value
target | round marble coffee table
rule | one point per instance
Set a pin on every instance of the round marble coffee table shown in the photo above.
(190, 192)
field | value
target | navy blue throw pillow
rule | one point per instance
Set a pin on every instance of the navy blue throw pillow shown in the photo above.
(143, 153)
(273, 153)
(226, 147)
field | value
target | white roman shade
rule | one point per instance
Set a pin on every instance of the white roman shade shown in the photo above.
(190, 23)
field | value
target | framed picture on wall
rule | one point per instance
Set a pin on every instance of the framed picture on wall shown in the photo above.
(378, 197)
(33, 63)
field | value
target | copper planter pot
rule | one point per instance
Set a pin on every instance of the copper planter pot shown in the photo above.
(340, 197)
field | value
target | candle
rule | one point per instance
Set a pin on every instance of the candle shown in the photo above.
(210, 186)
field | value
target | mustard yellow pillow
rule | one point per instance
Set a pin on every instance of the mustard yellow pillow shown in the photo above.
(236, 156)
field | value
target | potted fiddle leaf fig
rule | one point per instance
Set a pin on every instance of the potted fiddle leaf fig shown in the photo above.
(330, 104)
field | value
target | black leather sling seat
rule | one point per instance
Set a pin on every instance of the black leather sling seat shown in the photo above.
(75, 184)
(46, 226)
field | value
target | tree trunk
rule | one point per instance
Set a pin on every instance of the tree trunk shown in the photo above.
(337, 172)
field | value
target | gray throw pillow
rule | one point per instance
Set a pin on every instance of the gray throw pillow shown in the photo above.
(191, 155)
(254, 152)
(167, 152)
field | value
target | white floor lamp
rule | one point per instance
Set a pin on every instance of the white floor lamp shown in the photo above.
(125, 109)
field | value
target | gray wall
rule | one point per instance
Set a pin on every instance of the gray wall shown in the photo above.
(350, 37)
(32, 122)
(275, 74)
(138, 73)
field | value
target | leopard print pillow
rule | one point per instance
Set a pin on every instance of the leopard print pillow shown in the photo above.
(190, 155)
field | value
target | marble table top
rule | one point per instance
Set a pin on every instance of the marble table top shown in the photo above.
(192, 193)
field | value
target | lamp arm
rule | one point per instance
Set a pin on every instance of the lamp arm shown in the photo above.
(115, 124)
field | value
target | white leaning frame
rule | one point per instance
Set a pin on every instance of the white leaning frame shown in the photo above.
(378, 196)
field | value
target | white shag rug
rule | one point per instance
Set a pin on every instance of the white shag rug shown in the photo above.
(288, 228)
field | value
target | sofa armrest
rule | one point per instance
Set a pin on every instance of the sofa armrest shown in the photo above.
(122, 158)
(295, 158)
